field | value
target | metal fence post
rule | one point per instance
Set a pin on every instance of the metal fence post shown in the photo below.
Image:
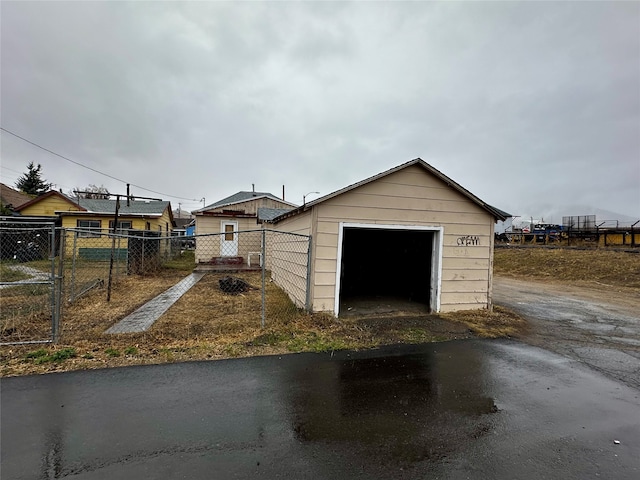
(307, 301)
(59, 283)
(264, 263)
(72, 296)
(52, 278)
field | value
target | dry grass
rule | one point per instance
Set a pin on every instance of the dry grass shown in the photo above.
(208, 324)
(497, 324)
(610, 267)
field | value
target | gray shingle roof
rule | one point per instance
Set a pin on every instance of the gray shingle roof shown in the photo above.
(139, 207)
(266, 214)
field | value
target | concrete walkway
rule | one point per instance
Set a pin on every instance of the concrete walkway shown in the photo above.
(35, 276)
(147, 314)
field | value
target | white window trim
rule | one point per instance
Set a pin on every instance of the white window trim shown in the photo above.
(87, 232)
(436, 258)
(120, 228)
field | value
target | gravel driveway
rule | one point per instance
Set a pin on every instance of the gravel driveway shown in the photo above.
(599, 326)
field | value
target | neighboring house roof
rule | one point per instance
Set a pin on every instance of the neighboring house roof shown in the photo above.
(12, 198)
(135, 207)
(241, 197)
(86, 206)
(268, 214)
(182, 222)
(497, 213)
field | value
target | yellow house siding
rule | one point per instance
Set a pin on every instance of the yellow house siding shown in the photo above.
(157, 224)
(48, 207)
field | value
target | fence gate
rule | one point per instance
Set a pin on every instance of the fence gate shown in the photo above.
(30, 281)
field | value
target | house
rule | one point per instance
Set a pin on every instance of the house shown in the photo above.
(95, 217)
(11, 199)
(408, 233)
(97, 214)
(242, 211)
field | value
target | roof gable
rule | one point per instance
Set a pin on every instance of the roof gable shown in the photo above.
(50, 194)
(496, 213)
(242, 197)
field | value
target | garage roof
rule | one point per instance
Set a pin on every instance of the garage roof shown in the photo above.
(497, 213)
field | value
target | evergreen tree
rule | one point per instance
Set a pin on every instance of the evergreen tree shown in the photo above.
(31, 182)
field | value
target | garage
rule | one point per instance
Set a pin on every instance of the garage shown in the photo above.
(388, 266)
(406, 237)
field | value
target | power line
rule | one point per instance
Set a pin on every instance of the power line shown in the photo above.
(10, 169)
(92, 169)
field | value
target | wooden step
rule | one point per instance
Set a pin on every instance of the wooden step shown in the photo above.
(226, 261)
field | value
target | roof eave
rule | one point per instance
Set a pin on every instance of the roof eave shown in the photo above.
(496, 213)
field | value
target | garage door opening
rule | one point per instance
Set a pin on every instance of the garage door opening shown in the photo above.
(388, 268)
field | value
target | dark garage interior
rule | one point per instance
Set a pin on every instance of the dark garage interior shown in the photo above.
(385, 265)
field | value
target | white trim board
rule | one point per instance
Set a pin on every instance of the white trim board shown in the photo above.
(436, 258)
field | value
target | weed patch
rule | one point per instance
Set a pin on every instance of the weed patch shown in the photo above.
(44, 356)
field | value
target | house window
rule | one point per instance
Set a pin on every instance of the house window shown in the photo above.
(122, 226)
(228, 232)
(89, 225)
(148, 226)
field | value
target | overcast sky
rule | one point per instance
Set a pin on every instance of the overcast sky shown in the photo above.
(534, 107)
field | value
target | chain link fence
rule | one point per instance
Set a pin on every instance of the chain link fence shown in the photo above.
(82, 279)
(97, 259)
(29, 282)
(267, 268)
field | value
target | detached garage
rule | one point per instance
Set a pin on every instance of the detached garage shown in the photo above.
(410, 234)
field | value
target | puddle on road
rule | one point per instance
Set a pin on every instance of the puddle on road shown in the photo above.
(405, 408)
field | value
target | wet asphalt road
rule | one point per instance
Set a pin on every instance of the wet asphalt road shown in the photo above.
(465, 409)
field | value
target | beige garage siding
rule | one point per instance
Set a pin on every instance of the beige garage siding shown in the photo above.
(415, 198)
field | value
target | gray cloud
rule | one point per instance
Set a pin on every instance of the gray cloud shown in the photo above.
(529, 105)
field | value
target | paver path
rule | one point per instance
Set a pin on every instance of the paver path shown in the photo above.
(147, 314)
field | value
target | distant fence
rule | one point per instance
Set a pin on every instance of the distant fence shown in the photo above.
(579, 222)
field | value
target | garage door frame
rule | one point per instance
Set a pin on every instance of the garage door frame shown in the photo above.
(436, 258)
